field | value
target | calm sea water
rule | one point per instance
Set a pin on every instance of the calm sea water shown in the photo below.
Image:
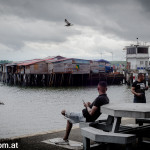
(33, 110)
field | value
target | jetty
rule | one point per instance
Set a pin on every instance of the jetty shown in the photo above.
(58, 71)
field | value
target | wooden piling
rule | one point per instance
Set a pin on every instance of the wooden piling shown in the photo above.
(24, 80)
(61, 79)
(70, 78)
(50, 80)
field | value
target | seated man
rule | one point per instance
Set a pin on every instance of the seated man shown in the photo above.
(89, 114)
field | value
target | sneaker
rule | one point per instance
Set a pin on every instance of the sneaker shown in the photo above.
(62, 142)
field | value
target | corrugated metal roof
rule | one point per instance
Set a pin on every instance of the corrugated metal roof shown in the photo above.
(54, 60)
(103, 60)
(20, 62)
(30, 62)
(60, 60)
(47, 60)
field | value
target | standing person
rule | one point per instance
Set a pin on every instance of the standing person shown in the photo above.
(138, 89)
(89, 114)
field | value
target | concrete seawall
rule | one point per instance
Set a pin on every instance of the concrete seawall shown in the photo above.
(35, 141)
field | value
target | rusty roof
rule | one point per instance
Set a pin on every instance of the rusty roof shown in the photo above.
(30, 62)
(60, 60)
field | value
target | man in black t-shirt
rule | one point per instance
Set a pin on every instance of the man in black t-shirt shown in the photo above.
(89, 114)
(138, 89)
(92, 110)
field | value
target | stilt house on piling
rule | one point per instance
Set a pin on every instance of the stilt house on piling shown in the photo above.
(69, 65)
(36, 66)
(99, 66)
(55, 71)
(68, 71)
(1, 68)
(14, 71)
(32, 67)
(3, 72)
(35, 71)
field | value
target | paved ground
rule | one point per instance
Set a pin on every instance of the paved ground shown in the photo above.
(35, 142)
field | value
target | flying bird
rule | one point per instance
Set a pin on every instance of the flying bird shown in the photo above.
(1, 103)
(68, 23)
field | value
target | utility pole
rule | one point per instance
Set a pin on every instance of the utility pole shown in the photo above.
(101, 54)
(112, 55)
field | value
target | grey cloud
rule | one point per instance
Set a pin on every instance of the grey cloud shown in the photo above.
(51, 12)
(145, 4)
(37, 9)
(16, 32)
(123, 18)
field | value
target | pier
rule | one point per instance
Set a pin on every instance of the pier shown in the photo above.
(58, 71)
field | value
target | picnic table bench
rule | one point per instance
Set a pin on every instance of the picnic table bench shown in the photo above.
(90, 133)
(140, 121)
(111, 130)
(99, 131)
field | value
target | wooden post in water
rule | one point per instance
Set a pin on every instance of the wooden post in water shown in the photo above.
(32, 79)
(35, 79)
(43, 80)
(8, 79)
(29, 79)
(18, 78)
(46, 79)
(50, 80)
(82, 79)
(5, 78)
(70, 78)
(91, 79)
(24, 80)
(55, 79)
(15, 79)
(62, 77)
(21, 79)
(2, 77)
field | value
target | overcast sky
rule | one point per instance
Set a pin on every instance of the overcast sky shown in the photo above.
(36, 29)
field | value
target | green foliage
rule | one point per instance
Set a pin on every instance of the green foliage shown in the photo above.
(5, 61)
(118, 62)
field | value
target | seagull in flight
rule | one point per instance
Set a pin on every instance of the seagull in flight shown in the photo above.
(1, 103)
(68, 23)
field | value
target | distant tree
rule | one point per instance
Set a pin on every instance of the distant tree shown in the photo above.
(5, 61)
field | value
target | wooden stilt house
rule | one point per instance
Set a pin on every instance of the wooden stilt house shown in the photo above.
(69, 65)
